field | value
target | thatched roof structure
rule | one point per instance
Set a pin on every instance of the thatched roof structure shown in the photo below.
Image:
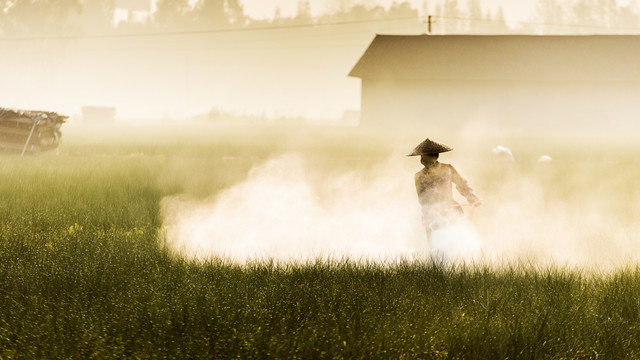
(33, 131)
(37, 117)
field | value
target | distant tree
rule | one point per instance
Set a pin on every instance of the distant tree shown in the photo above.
(402, 10)
(475, 23)
(436, 25)
(499, 24)
(486, 22)
(551, 15)
(341, 6)
(604, 16)
(607, 12)
(584, 13)
(235, 13)
(218, 14)
(304, 11)
(452, 17)
(426, 10)
(405, 18)
(96, 16)
(400, 17)
(211, 13)
(172, 14)
(355, 13)
(628, 18)
(41, 17)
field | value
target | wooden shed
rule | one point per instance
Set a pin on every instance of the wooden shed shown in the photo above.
(520, 81)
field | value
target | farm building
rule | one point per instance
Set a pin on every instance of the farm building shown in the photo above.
(29, 131)
(98, 114)
(526, 82)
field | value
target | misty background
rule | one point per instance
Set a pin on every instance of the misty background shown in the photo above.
(211, 60)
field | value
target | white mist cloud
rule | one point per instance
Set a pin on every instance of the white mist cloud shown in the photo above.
(278, 212)
(285, 211)
(524, 224)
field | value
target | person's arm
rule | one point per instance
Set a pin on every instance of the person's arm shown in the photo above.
(463, 188)
(419, 186)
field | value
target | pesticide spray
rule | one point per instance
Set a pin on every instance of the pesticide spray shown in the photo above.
(286, 212)
(279, 213)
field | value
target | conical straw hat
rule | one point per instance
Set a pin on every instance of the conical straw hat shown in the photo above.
(429, 147)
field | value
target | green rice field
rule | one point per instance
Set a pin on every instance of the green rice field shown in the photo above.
(85, 272)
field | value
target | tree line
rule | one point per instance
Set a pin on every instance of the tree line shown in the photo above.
(90, 17)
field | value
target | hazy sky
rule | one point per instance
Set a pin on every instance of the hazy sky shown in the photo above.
(272, 72)
(515, 10)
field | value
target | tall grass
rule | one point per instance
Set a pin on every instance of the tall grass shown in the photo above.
(84, 275)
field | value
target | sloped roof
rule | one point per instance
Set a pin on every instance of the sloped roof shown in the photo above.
(502, 57)
(33, 116)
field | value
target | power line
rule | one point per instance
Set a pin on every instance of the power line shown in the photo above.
(298, 26)
(205, 32)
(599, 27)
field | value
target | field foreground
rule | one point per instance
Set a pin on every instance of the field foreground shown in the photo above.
(85, 270)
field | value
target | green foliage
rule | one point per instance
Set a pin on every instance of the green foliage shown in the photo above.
(82, 274)
(42, 17)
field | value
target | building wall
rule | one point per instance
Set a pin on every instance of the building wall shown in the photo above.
(524, 106)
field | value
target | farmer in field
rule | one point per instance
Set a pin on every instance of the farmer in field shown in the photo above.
(433, 184)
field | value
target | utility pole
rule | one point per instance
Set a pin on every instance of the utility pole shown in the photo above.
(430, 20)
